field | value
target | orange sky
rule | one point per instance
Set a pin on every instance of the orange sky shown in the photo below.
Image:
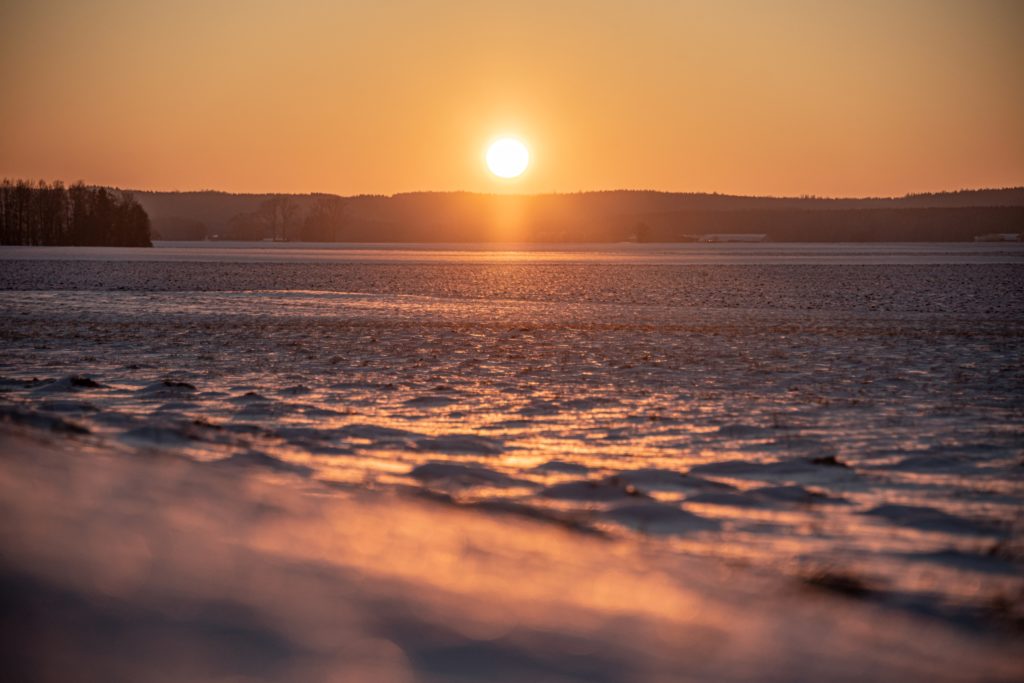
(829, 98)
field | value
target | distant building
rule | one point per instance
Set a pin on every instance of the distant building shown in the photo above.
(733, 238)
(998, 237)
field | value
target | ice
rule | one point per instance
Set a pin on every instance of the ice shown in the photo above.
(659, 518)
(932, 519)
(654, 479)
(262, 460)
(455, 475)
(593, 491)
(461, 444)
(831, 411)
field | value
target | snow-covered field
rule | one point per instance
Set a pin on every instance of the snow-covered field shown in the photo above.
(790, 443)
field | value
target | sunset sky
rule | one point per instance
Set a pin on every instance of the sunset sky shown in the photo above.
(828, 98)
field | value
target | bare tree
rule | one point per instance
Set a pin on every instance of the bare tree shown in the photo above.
(45, 214)
(278, 214)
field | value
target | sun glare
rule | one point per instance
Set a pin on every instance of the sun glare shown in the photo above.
(507, 158)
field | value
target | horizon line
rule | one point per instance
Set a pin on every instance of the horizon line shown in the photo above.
(552, 193)
(557, 193)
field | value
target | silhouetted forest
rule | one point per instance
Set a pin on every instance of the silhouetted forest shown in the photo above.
(51, 214)
(284, 219)
(612, 216)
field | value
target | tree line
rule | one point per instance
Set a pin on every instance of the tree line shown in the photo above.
(933, 224)
(580, 217)
(282, 219)
(52, 214)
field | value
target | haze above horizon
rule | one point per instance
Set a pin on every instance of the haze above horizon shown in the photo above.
(784, 99)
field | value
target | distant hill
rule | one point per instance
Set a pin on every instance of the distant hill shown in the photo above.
(586, 216)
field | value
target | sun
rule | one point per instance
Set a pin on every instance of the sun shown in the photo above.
(507, 158)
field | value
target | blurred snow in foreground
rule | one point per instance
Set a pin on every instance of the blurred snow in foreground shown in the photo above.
(157, 568)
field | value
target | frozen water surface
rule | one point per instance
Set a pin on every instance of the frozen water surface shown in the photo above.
(851, 416)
